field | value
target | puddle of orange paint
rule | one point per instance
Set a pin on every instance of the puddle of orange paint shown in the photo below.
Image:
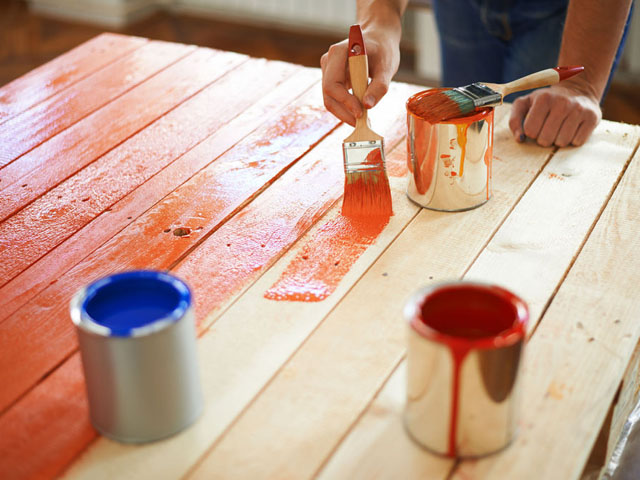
(325, 259)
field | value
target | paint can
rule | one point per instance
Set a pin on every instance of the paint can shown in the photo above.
(465, 345)
(449, 162)
(137, 339)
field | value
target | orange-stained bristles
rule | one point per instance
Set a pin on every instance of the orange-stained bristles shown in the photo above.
(367, 192)
(442, 106)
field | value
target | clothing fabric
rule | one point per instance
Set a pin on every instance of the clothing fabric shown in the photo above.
(500, 40)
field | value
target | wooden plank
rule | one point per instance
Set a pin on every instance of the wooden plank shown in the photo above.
(328, 382)
(208, 199)
(63, 210)
(117, 216)
(48, 448)
(76, 147)
(287, 208)
(53, 115)
(579, 352)
(63, 71)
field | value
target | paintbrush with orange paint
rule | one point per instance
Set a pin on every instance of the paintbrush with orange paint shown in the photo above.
(459, 101)
(366, 187)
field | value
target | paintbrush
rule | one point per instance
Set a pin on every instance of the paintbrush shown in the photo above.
(366, 186)
(454, 102)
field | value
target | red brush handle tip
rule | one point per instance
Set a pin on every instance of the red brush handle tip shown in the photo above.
(566, 72)
(356, 43)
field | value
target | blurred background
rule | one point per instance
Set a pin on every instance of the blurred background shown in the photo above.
(33, 32)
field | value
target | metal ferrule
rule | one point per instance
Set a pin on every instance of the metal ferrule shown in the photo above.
(481, 95)
(450, 162)
(488, 388)
(142, 381)
(355, 156)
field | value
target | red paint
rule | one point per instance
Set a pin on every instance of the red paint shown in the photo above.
(567, 72)
(356, 43)
(325, 259)
(368, 194)
(467, 317)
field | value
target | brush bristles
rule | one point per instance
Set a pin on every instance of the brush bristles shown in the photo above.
(443, 106)
(367, 194)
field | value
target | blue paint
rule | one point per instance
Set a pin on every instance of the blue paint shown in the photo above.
(130, 300)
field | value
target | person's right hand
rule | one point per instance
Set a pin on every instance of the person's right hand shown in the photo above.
(384, 59)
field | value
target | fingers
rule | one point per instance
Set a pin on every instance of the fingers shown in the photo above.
(555, 116)
(337, 98)
(375, 91)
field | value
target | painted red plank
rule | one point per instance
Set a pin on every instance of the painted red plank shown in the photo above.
(58, 261)
(32, 127)
(30, 451)
(39, 335)
(289, 206)
(76, 201)
(63, 71)
(71, 150)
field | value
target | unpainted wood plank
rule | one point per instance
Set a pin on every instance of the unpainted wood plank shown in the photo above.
(54, 264)
(63, 71)
(51, 116)
(578, 354)
(63, 210)
(287, 208)
(300, 417)
(44, 167)
(208, 199)
(549, 225)
(345, 461)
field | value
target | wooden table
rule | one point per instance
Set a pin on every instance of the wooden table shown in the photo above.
(226, 170)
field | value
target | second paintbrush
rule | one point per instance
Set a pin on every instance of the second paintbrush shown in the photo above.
(459, 101)
(366, 187)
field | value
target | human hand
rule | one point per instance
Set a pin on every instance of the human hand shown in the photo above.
(560, 115)
(383, 57)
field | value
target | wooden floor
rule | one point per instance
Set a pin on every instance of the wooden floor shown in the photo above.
(28, 40)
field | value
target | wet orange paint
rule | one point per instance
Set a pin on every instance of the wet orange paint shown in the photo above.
(368, 193)
(326, 258)
(462, 142)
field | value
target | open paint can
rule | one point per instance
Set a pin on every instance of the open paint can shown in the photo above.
(465, 348)
(137, 339)
(449, 162)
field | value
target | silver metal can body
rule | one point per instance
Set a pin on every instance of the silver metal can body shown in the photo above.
(462, 394)
(142, 383)
(449, 162)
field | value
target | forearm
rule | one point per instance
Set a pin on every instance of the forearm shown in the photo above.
(592, 33)
(385, 15)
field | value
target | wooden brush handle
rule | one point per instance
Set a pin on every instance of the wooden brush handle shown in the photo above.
(542, 78)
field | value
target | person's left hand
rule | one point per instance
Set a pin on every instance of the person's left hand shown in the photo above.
(560, 115)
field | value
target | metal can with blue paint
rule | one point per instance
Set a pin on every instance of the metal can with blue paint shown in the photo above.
(136, 332)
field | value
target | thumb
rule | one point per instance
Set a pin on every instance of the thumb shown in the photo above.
(518, 113)
(375, 91)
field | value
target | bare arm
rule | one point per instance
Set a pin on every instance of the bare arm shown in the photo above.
(568, 113)
(381, 25)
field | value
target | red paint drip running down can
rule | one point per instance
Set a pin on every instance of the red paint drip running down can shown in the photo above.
(465, 347)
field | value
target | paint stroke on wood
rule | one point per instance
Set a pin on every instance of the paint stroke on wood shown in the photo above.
(63, 71)
(82, 243)
(204, 202)
(51, 116)
(60, 157)
(576, 358)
